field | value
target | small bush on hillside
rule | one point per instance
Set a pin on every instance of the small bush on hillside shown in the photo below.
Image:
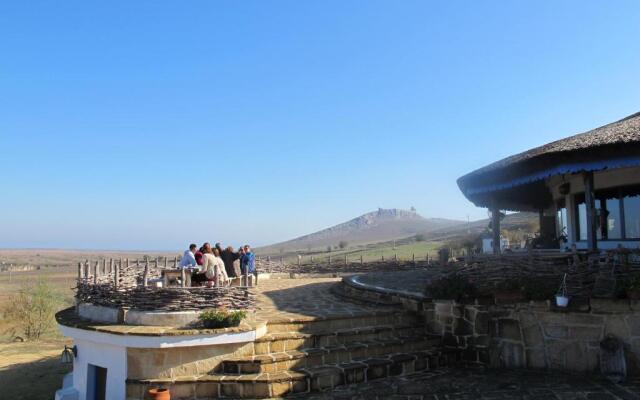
(30, 312)
(452, 287)
(420, 237)
(343, 244)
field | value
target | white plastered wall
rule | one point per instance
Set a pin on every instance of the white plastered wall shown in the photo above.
(113, 358)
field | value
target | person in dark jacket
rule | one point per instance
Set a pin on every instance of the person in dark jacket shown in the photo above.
(247, 263)
(229, 257)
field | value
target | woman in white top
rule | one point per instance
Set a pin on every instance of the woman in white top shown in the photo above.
(211, 259)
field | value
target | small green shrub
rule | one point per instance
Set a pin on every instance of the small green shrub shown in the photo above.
(30, 312)
(221, 318)
(452, 287)
(509, 285)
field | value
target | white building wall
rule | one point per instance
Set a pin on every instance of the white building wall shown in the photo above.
(113, 358)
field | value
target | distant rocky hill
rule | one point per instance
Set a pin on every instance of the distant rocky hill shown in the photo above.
(377, 226)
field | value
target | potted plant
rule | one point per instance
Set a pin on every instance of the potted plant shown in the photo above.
(221, 318)
(509, 291)
(159, 393)
(562, 298)
(633, 288)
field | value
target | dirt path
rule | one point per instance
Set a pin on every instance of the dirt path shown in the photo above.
(31, 370)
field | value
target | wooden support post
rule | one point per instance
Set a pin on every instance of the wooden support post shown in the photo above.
(345, 259)
(86, 270)
(110, 265)
(95, 273)
(126, 261)
(383, 257)
(299, 260)
(165, 263)
(361, 260)
(137, 263)
(246, 276)
(145, 275)
(589, 199)
(216, 276)
(268, 258)
(395, 257)
(116, 276)
(311, 259)
(413, 259)
(495, 228)
(329, 259)
(175, 262)
(79, 272)
(183, 278)
(104, 266)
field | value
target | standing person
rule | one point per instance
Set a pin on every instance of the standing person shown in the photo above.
(188, 258)
(229, 257)
(219, 247)
(211, 261)
(199, 253)
(247, 263)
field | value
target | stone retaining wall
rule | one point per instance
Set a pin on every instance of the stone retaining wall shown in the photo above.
(535, 335)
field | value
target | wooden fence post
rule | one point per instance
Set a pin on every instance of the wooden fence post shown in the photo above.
(145, 275)
(116, 276)
(329, 259)
(345, 259)
(361, 262)
(110, 265)
(216, 276)
(183, 278)
(413, 259)
(79, 272)
(175, 262)
(86, 271)
(383, 257)
(95, 273)
(165, 263)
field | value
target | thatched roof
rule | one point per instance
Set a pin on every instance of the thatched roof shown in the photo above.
(618, 140)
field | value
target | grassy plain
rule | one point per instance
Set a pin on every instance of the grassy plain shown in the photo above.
(32, 370)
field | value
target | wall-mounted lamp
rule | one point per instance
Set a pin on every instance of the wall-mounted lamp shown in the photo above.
(68, 354)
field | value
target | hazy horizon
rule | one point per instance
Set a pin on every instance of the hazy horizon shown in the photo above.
(142, 125)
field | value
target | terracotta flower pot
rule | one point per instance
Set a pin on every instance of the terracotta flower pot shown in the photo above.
(160, 394)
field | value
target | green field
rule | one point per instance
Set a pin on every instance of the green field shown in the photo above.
(403, 252)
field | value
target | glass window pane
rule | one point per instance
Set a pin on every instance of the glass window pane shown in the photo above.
(632, 217)
(613, 226)
(582, 221)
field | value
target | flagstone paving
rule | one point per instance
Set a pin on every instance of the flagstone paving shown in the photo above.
(305, 299)
(476, 384)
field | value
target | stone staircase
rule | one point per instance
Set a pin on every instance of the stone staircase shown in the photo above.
(303, 356)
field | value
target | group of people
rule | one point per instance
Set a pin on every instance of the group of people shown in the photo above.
(231, 264)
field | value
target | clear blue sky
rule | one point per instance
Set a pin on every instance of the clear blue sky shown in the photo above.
(147, 125)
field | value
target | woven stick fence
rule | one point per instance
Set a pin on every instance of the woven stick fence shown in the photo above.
(122, 283)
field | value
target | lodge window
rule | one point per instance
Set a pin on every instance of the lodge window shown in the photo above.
(563, 227)
(617, 214)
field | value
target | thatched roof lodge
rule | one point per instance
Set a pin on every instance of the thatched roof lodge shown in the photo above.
(586, 187)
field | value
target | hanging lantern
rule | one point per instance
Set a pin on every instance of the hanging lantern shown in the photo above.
(68, 354)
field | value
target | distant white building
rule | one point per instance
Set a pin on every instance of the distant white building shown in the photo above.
(487, 244)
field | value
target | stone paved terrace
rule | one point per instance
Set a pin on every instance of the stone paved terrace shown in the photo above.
(305, 299)
(479, 384)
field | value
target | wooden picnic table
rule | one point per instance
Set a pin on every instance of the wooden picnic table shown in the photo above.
(172, 274)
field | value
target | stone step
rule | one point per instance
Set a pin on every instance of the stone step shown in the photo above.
(296, 383)
(311, 325)
(285, 341)
(330, 354)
